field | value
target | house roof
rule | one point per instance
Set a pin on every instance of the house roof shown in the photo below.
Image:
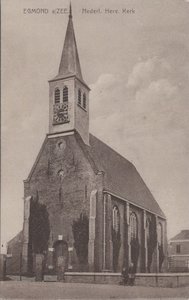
(16, 238)
(183, 235)
(121, 176)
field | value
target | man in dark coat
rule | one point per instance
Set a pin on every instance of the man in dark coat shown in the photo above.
(125, 276)
(131, 274)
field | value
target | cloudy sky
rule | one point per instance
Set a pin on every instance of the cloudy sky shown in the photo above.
(137, 65)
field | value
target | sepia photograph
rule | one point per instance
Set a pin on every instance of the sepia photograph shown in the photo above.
(94, 149)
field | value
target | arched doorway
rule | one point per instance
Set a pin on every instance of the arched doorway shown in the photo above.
(60, 250)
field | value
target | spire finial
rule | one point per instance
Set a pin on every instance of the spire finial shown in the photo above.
(69, 63)
(70, 11)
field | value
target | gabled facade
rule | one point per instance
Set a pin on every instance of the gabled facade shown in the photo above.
(83, 200)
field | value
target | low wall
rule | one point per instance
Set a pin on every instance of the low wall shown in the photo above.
(142, 279)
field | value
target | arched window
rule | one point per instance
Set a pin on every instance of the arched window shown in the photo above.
(133, 226)
(79, 97)
(160, 244)
(160, 234)
(65, 94)
(116, 219)
(84, 100)
(148, 229)
(57, 95)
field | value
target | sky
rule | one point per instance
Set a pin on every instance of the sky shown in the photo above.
(137, 66)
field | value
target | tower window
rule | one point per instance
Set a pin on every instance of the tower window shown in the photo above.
(116, 219)
(57, 96)
(84, 100)
(65, 94)
(79, 97)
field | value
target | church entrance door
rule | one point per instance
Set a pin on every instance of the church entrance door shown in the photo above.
(60, 251)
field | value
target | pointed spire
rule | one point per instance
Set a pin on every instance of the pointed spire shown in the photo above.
(69, 63)
(70, 11)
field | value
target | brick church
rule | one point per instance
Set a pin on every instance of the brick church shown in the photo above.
(83, 200)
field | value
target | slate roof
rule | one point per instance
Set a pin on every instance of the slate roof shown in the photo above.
(121, 176)
(183, 235)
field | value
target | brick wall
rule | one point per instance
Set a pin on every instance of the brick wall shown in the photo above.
(62, 179)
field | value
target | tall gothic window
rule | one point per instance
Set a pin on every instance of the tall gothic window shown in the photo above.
(116, 219)
(160, 234)
(116, 237)
(148, 241)
(79, 97)
(57, 95)
(160, 244)
(134, 243)
(65, 94)
(84, 100)
(148, 229)
(133, 226)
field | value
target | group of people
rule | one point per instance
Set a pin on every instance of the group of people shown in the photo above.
(128, 275)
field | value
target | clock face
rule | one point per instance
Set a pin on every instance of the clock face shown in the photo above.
(60, 113)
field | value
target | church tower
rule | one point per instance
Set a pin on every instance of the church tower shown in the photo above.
(68, 93)
(85, 208)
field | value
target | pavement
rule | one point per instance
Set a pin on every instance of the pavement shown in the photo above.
(59, 290)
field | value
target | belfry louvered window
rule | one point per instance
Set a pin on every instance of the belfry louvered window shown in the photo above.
(84, 100)
(79, 97)
(65, 94)
(57, 95)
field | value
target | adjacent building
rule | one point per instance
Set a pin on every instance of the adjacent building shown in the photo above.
(179, 252)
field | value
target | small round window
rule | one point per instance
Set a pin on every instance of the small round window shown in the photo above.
(61, 145)
(61, 173)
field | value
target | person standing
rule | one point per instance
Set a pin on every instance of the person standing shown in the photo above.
(125, 276)
(131, 274)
